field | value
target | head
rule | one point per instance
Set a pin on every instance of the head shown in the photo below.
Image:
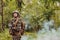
(15, 14)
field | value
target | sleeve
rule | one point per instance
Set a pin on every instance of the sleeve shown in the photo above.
(10, 24)
(22, 27)
(22, 24)
(10, 27)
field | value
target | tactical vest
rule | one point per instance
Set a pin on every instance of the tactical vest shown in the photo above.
(17, 28)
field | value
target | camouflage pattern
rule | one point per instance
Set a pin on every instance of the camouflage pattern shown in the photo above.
(17, 31)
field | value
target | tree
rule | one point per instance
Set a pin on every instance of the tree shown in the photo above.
(1, 12)
(19, 4)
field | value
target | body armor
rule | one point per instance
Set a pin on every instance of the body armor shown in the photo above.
(17, 27)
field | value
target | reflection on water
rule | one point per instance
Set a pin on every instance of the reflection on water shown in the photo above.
(24, 37)
(49, 35)
(43, 35)
(47, 25)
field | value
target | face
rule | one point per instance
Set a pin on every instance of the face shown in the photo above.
(15, 14)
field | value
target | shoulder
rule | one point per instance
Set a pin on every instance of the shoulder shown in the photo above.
(20, 19)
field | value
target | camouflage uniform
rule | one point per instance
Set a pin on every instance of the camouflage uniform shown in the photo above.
(18, 31)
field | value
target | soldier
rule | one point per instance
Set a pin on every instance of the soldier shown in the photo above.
(16, 26)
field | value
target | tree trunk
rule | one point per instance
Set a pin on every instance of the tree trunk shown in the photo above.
(1, 13)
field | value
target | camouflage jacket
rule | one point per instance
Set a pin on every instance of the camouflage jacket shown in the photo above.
(19, 26)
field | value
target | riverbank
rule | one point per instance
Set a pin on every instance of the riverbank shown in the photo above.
(40, 35)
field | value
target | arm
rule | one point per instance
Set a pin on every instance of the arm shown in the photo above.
(22, 27)
(10, 25)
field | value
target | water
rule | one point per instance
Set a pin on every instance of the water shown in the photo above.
(24, 37)
(43, 35)
(48, 35)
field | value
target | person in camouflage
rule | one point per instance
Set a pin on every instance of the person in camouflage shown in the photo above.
(16, 26)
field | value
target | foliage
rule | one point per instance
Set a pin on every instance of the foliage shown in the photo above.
(5, 35)
(33, 12)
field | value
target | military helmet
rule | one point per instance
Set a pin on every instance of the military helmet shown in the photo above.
(18, 14)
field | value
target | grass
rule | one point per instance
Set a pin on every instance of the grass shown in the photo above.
(41, 35)
(5, 35)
